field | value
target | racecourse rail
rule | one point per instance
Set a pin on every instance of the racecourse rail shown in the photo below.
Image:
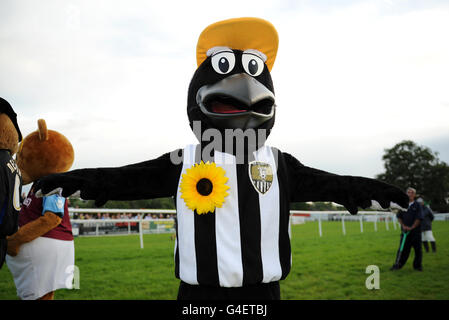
(97, 227)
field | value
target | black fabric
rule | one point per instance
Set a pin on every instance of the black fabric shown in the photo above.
(6, 108)
(8, 173)
(413, 240)
(3, 247)
(413, 213)
(249, 214)
(426, 223)
(309, 184)
(206, 249)
(434, 246)
(205, 241)
(284, 194)
(426, 245)
(9, 216)
(263, 291)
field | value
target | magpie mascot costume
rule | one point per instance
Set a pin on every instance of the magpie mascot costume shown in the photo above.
(232, 192)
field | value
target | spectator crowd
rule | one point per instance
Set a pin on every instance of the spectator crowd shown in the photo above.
(116, 216)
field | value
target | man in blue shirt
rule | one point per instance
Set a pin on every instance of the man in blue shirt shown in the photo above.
(410, 221)
(426, 227)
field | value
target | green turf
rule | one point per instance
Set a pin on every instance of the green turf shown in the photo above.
(330, 267)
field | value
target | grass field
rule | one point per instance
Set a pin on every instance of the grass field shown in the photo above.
(330, 267)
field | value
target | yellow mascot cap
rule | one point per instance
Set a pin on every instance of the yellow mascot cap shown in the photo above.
(240, 34)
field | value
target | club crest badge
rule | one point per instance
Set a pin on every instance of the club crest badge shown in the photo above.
(261, 175)
(60, 203)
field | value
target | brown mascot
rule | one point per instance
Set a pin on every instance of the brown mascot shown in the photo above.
(41, 253)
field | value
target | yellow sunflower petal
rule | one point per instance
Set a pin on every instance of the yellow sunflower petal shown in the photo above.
(189, 193)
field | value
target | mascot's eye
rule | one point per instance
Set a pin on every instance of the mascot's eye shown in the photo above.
(223, 62)
(252, 64)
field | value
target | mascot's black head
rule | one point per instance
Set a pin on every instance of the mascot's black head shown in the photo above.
(232, 87)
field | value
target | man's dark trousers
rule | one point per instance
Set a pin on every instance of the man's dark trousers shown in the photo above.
(413, 240)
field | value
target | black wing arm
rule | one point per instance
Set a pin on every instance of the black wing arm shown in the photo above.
(309, 184)
(145, 180)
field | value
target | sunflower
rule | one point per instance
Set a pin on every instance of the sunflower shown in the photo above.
(203, 187)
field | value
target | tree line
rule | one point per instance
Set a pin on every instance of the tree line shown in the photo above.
(408, 164)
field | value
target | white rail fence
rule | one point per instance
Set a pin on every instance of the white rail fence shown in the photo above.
(141, 225)
(363, 216)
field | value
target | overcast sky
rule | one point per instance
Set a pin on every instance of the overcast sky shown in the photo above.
(350, 78)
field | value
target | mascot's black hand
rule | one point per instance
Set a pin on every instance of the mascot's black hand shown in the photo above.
(362, 190)
(87, 181)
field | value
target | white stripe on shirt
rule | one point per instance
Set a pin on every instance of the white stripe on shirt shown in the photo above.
(227, 228)
(186, 228)
(269, 221)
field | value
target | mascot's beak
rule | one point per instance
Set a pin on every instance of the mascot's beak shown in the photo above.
(238, 101)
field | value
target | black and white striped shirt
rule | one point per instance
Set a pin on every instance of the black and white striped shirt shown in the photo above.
(247, 240)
